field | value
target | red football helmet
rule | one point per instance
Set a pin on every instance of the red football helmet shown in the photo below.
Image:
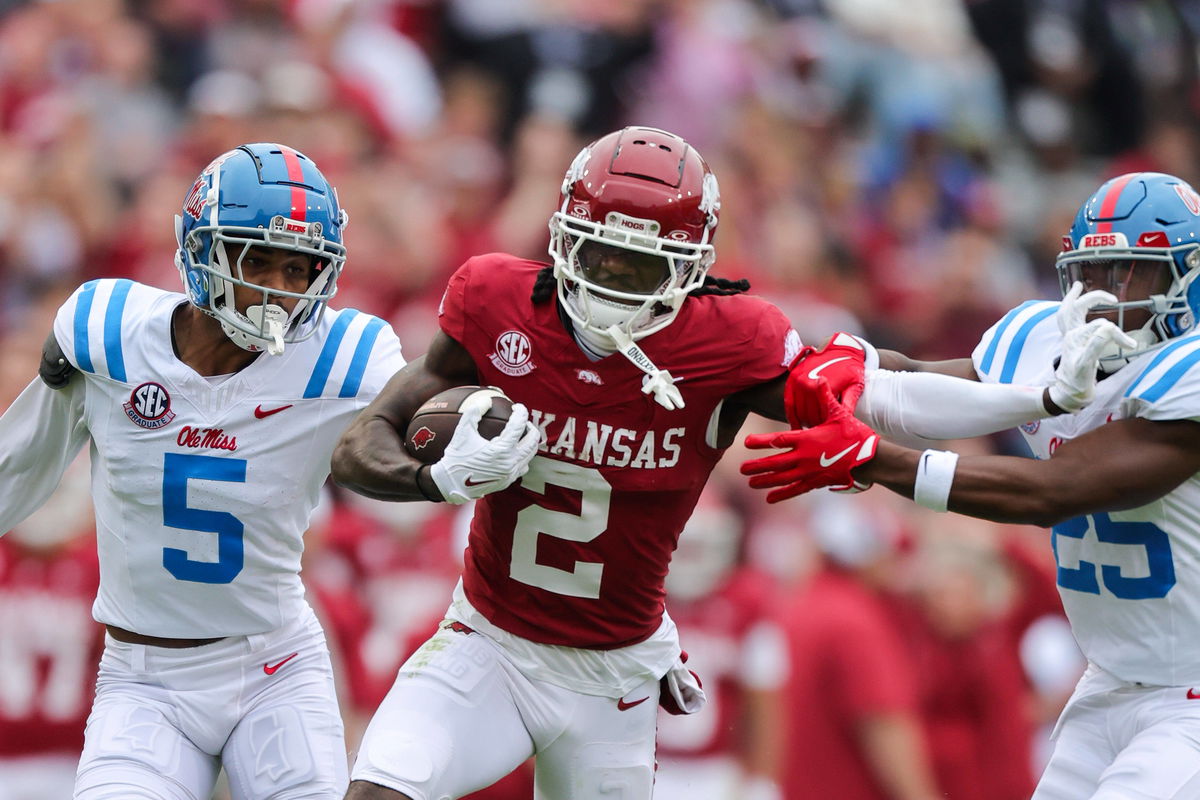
(634, 232)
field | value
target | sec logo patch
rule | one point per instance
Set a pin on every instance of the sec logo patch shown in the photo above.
(513, 355)
(149, 406)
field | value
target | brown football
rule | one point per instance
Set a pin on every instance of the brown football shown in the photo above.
(433, 424)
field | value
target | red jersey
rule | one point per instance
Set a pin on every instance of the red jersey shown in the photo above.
(847, 662)
(575, 553)
(51, 646)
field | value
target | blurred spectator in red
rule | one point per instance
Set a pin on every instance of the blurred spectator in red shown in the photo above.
(724, 610)
(852, 727)
(974, 701)
(49, 643)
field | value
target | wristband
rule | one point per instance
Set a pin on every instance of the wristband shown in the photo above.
(421, 486)
(935, 474)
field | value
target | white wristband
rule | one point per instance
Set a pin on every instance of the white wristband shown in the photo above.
(935, 474)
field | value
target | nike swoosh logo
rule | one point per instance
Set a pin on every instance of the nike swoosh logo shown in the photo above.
(271, 669)
(812, 375)
(261, 413)
(826, 461)
(1192, 695)
(472, 482)
(623, 706)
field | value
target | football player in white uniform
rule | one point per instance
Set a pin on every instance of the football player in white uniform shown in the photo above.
(1118, 483)
(211, 417)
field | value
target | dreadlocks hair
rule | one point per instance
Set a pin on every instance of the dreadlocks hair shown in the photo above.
(544, 286)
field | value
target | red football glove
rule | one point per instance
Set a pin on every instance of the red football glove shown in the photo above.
(841, 362)
(819, 456)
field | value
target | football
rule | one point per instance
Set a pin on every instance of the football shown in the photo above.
(433, 424)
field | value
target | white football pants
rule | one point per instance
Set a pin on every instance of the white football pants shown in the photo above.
(165, 720)
(460, 716)
(1125, 742)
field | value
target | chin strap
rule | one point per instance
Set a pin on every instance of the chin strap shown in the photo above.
(270, 319)
(657, 381)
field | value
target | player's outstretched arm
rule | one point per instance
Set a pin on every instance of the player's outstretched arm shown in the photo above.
(1124, 464)
(370, 458)
(40, 435)
(1121, 465)
(944, 399)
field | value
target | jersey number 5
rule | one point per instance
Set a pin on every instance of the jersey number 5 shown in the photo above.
(178, 469)
(1150, 537)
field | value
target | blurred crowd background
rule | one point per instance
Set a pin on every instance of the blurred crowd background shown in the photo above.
(904, 170)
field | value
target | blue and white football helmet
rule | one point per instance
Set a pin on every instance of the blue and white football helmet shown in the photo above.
(266, 195)
(1138, 237)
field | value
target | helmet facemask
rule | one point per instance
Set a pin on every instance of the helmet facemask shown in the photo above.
(641, 299)
(265, 325)
(1152, 285)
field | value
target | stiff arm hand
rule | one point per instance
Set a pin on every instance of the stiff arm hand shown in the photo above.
(823, 455)
(841, 362)
(473, 466)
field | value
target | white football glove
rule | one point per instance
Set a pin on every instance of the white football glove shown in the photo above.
(1075, 379)
(1073, 311)
(473, 466)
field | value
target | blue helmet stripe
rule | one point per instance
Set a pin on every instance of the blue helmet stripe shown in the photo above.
(362, 353)
(320, 373)
(83, 310)
(113, 353)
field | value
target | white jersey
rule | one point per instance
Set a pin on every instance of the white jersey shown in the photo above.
(1129, 580)
(202, 488)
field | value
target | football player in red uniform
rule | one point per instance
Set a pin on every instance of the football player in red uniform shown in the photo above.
(557, 642)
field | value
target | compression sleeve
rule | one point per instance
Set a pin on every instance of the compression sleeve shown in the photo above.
(40, 435)
(930, 406)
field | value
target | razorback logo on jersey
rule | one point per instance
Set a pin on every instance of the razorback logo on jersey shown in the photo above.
(422, 437)
(791, 347)
(149, 405)
(589, 376)
(513, 355)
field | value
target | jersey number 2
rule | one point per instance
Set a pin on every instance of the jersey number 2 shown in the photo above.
(178, 469)
(1108, 531)
(535, 521)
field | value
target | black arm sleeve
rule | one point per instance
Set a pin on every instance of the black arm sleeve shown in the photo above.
(55, 369)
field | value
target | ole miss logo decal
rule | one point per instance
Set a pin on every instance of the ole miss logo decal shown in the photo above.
(149, 405)
(513, 354)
